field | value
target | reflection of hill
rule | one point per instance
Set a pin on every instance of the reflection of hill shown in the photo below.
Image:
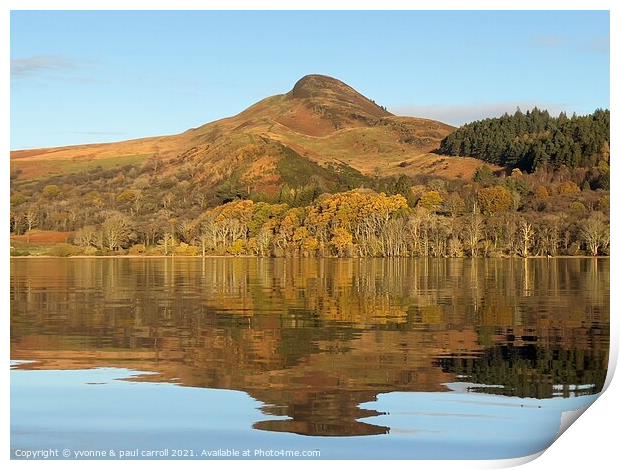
(312, 339)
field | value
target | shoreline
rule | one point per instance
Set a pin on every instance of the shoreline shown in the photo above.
(297, 257)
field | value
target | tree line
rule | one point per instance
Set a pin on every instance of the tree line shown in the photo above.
(491, 217)
(535, 139)
(156, 208)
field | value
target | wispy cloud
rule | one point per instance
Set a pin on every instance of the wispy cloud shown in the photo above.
(40, 65)
(596, 45)
(550, 41)
(461, 114)
(600, 45)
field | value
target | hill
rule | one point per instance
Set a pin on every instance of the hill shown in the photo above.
(321, 120)
(322, 171)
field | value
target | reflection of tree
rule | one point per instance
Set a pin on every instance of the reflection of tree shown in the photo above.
(531, 371)
(312, 339)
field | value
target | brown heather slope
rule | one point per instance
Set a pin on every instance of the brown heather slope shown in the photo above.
(322, 120)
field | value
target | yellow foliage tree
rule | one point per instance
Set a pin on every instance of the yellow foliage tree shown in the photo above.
(495, 199)
(431, 201)
(342, 241)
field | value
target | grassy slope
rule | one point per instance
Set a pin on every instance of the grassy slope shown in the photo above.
(321, 119)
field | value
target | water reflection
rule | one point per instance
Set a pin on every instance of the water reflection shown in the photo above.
(312, 339)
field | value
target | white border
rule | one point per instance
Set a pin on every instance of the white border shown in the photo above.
(591, 443)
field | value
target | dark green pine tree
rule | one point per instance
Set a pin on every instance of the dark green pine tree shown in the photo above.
(534, 139)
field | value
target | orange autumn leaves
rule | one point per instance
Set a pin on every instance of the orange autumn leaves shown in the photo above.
(334, 224)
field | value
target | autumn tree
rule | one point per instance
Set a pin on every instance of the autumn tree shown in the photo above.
(116, 231)
(51, 191)
(86, 236)
(595, 233)
(431, 201)
(342, 241)
(495, 199)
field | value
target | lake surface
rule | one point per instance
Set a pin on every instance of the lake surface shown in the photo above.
(377, 358)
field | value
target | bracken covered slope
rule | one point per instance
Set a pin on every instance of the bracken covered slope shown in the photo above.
(318, 130)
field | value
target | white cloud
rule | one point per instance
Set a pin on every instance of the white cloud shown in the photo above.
(41, 64)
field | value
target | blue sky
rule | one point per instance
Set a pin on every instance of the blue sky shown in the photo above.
(81, 77)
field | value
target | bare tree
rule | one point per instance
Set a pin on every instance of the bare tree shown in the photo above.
(86, 236)
(526, 234)
(455, 247)
(117, 231)
(208, 235)
(201, 198)
(510, 234)
(167, 200)
(168, 243)
(473, 233)
(138, 201)
(32, 218)
(263, 239)
(188, 230)
(595, 233)
(16, 222)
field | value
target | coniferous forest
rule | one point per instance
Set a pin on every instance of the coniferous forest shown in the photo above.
(534, 139)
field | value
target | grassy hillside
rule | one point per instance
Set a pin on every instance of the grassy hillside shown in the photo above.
(260, 183)
(321, 119)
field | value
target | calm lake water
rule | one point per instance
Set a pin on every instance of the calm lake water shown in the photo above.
(378, 358)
